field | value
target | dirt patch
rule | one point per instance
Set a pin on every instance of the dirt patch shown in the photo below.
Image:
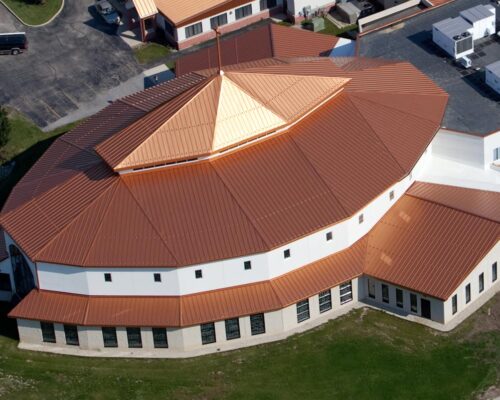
(492, 393)
(486, 319)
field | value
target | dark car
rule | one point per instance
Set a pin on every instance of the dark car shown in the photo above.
(13, 43)
(107, 12)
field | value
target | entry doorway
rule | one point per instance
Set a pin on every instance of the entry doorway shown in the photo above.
(425, 308)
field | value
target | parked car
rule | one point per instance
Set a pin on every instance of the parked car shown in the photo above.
(107, 12)
(13, 43)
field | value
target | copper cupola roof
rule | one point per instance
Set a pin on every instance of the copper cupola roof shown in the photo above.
(226, 111)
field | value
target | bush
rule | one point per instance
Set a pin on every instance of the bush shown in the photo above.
(4, 127)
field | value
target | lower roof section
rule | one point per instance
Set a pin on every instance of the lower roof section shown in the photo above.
(178, 311)
(429, 242)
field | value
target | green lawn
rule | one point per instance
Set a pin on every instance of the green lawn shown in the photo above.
(331, 29)
(364, 355)
(34, 14)
(151, 52)
(27, 143)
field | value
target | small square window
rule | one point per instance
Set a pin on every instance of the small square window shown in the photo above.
(198, 274)
(107, 277)
(157, 277)
(391, 195)
(329, 236)
(287, 253)
(247, 265)
(361, 218)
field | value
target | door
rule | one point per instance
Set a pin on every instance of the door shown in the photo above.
(425, 308)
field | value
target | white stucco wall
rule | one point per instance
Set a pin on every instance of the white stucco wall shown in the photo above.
(485, 267)
(225, 273)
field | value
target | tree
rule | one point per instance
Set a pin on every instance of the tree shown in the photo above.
(4, 127)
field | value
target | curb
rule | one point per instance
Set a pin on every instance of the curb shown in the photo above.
(33, 26)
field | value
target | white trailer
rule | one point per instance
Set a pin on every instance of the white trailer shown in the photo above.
(454, 35)
(493, 76)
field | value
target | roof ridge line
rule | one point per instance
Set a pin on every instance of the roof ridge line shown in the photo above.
(360, 95)
(150, 223)
(243, 210)
(309, 162)
(70, 222)
(377, 136)
(451, 207)
(100, 223)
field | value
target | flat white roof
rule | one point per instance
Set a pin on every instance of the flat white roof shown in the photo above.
(494, 68)
(452, 26)
(477, 13)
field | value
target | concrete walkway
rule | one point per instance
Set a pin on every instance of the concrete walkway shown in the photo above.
(144, 80)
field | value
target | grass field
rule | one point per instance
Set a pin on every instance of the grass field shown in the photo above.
(151, 52)
(34, 14)
(364, 355)
(331, 29)
(27, 143)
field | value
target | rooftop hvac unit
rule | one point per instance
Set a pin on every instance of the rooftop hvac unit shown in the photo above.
(457, 37)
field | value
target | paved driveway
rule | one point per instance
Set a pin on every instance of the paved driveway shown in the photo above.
(69, 63)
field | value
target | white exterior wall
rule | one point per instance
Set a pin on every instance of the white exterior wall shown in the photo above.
(298, 6)
(224, 273)
(186, 341)
(484, 27)
(437, 310)
(448, 44)
(493, 80)
(485, 266)
(456, 146)
(231, 18)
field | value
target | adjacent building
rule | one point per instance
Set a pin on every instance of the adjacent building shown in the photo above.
(492, 76)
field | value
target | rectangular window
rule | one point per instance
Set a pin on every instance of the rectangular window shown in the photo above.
(193, 30)
(218, 20)
(48, 332)
(454, 304)
(481, 283)
(134, 338)
(247, 265)
(303, 310)
(107, 277)
(157, 277)
(243, 12)
(494, 272)
(5, 284)
(391, 195)
(413, 302)
(361, 218)
(399, 298)
(371, 289)
(329, 236)
(71, 333)
(385, 293)
(467, 293)
(207, 333)
(325, 301)
(287, 253)
(232, 328)
(257, 324)
(198, 274)
(160, 339)
(109, 337)
(345, 292)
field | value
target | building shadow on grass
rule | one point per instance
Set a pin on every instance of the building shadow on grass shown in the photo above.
(8, 326)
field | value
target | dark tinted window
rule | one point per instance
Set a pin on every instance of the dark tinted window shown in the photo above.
(207, 333)
(109, 337)
(243, 11)
(134, 338)
(71, 333)
(5, 283)
(257, 324)
(160, 338)
(232, 328)
(48, 333)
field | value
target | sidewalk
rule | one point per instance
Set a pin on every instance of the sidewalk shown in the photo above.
(140, 82)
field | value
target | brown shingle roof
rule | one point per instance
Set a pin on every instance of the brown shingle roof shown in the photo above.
(248, 201)
(266, 41)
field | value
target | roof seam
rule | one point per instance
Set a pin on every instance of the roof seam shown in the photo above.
(151, 223)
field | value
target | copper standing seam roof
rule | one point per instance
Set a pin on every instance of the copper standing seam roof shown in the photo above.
(421, 244)
(266, 41)
(145, 8)
(250, 201)
(197, 308)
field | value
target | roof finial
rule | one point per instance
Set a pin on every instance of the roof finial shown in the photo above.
(219, 59)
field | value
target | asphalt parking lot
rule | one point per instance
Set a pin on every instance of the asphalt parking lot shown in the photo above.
(69, 62)
(473, 106)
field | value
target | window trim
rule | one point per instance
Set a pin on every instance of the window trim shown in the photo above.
(303, 312)
(157, 344)
(327, 305)
(208, 334)
(48, 332)
(234, 333)
(348, 294)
